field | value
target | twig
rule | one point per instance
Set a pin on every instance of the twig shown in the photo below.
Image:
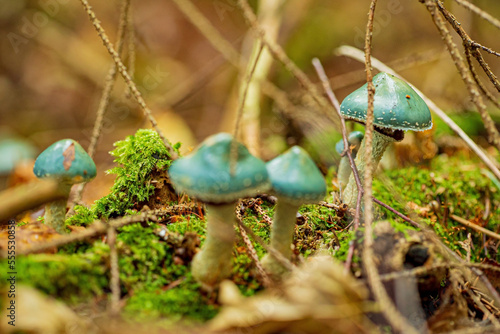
(478, 11)
(434, 6)
(115, 272)
(391, 313)
(280, 55)
(246, 85)
(277, 255)
(333, 100)
(128, 80)
(478, 81)
(357, 54)
(99, 227)
(130, 49)
(251, 250)
(475, 227)
(105, 97)
(399, 214)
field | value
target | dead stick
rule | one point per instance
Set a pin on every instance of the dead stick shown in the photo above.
(475, 227)
(13, 201)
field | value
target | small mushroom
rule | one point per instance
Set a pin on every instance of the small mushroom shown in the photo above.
(397, 108)
(295, 180)
(344, 170)
(205, 174)
(68, 163)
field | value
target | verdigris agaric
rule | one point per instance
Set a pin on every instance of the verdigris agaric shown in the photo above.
(68, 163)
(205, 175)
(397, 108)
(354, 139)
(295, 180)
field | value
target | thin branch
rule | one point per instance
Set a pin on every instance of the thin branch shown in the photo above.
(391, 313)
(287, 264)
(246, 84)
(128, 80)
(478, 81)
(100, 227)
(357, 54)
(280, 55)
(335, 103)
(433, 6)
(397, 213)
(478, 11)
(475, 227)
(106, 94)
(267, 282)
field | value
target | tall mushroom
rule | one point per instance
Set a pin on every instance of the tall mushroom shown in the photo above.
(68, 163)
(205, 174)
(397, 108)
(295, 180)
(354, 139)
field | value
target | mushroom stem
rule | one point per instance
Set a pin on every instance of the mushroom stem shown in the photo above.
(285, 218)
(344, 172)
(55, 212)
(379, 144)
(213, 263)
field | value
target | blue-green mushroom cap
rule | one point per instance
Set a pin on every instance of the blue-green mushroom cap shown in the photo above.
(296, 178)
(13, 151)
(396, 105)
(67, 161)
(354, 138)
(205, 173)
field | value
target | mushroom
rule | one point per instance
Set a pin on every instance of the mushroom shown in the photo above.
(205, 174)
(68, 163)
(397, 108)
(295, 180)
(354, 139)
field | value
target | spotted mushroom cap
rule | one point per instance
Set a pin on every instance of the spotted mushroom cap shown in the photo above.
(354, 138)
(205, 173)
(296, 178)
(396, 105)
(67, 161)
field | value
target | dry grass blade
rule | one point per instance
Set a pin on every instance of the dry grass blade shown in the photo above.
(357, 54)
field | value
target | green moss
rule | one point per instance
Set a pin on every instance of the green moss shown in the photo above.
(181, 302)
(137, 157)
(83, 216)
(461, 188)
(73, 278)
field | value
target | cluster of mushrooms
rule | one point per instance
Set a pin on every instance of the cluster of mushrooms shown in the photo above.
(293, 177)
(205, 174)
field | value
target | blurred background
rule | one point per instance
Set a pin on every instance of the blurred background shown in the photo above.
(53, 68)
